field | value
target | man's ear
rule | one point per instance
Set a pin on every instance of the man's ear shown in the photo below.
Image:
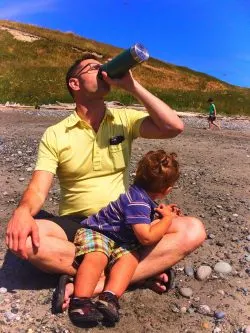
(74, 83)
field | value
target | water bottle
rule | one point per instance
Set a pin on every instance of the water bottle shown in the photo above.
(123, 62)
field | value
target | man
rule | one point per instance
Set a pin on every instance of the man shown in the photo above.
(90, 152)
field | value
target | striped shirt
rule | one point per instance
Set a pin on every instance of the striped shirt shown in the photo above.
(115, 220)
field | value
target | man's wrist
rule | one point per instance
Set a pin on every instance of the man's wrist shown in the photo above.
(23, 208)
(133, 88)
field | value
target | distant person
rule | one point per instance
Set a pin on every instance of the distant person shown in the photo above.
(212, 115)
(112, 237)
(90, 153)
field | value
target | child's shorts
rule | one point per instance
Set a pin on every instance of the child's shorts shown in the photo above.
(88, 240)
(211, 118)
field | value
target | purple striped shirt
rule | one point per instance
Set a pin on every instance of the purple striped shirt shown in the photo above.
(115, 220)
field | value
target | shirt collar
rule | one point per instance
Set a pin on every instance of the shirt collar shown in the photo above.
(75, 119)
(152, 203)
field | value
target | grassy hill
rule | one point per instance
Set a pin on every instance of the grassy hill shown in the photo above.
(34, 72)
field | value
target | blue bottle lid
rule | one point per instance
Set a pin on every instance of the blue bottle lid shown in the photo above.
(139, 52)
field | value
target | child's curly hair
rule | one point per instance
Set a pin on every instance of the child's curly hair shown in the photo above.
(157, 171)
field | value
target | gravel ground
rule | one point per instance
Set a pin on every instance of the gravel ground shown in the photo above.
(214, 186)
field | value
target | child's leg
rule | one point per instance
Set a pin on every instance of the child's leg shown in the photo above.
(94, 248)
(118, 279)
(88, 274)
(209, 124)
(215, 124)
(121, 273)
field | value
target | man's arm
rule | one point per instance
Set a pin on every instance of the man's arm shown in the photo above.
(22, 224)
(162, 122)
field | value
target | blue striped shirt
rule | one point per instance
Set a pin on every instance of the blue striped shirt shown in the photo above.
(133, 207)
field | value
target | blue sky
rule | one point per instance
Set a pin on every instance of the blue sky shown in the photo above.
(210, 36)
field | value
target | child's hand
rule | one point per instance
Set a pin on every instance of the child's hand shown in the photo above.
(168, 210)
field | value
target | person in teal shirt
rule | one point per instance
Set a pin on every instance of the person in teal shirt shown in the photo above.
(212, 115)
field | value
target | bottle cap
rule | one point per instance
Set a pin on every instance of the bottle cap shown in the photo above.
(139, 52)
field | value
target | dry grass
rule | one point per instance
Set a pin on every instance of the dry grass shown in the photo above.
(34, 73)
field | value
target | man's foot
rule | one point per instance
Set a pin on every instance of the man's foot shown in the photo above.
(61, 290)
(69, 290)
(108, 305)
(160, 283)
(83, 310)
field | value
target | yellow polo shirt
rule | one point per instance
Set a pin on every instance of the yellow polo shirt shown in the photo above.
(90, 170)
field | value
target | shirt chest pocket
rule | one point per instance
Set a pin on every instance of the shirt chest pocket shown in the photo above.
(119, 155)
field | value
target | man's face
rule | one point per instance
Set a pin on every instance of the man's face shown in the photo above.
(89, 84)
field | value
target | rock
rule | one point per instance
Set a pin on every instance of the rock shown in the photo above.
(3, 290)
(9, 316)
(186, 292)
(210, 236)
(248, 237)
(203, 272)
(191, 310)
(217, 330)
(183, 309)
(205, 325)
(223, 267)
(175, 309)
(204, 309)
(219, 314)
(188, 269)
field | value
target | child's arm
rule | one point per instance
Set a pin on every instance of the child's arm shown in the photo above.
(148, 234)
(214, 110)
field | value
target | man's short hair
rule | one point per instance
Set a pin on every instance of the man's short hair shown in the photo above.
(73, 70)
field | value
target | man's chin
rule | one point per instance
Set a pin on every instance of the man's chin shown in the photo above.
(103, 90)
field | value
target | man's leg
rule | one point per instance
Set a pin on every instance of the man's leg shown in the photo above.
(184, 236)
(55, 254)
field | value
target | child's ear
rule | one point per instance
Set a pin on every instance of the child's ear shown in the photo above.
(169, 189)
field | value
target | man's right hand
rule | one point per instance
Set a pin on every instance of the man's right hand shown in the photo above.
(20, 226)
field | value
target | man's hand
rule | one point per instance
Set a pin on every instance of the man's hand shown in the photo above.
(126, 82)
(168, 210)
(20, 226)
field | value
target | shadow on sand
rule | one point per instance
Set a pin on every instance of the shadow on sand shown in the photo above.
(18, 274)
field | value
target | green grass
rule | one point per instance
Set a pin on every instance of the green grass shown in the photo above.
(34, 73)
(229, 102)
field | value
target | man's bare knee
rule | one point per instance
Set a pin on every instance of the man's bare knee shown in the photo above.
(193, 234)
